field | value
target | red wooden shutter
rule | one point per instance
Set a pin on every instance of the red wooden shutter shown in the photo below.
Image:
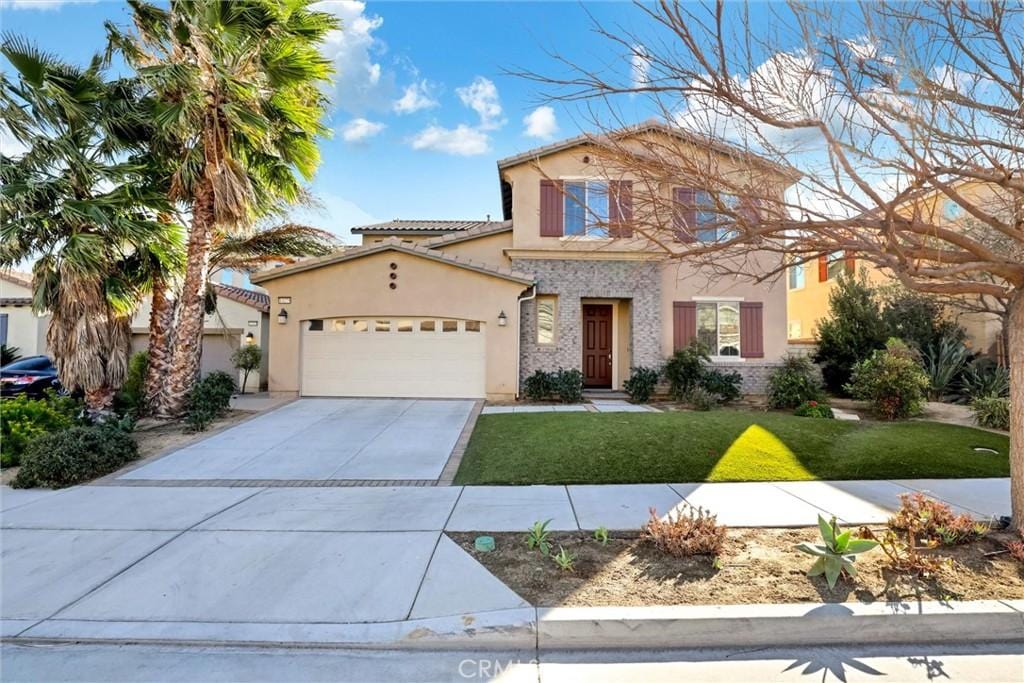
(685, 218)
(550, 208)
(751, 329)
(823, 268)
(621, 209)
(851, 263)
(684, 323)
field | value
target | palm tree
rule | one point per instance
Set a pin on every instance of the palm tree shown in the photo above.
(237, 86)
(77, 201)
(265, 245)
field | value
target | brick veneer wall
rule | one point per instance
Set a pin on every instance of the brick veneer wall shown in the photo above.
(755, 374)
(573, 280)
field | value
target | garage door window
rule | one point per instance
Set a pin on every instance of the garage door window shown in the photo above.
(382, 326)
(338, 326)
(450, 326)
(316, 325)
(472, 326)
(428, 325)
(359, 326)
(405, 326)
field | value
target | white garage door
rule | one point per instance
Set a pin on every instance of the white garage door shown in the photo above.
(402, 357)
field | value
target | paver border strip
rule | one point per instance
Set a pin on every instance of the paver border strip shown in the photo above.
(451, 467)
(588, 628)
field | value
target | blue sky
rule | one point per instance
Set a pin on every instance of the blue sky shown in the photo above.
(423, 104)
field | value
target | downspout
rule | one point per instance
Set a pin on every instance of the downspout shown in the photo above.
(519, 331)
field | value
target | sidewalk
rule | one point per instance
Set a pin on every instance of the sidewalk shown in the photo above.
(343, 565)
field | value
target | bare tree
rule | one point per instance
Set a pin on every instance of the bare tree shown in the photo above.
(895, 132)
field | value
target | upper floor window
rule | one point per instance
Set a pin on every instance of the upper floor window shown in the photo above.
(586, 208)
(546, 307)
(836, 264)
(713, 221)
(796, 276)
(718, 327)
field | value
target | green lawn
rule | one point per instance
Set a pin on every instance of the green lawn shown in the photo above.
(723, 445)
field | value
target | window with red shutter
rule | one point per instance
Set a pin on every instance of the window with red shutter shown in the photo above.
(751, 329)
(550, 208)
(685, 217)
(621, 209)
(684, 323)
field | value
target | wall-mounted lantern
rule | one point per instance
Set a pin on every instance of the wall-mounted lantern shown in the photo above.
(282, 317)
(502, 319)
(249, 339)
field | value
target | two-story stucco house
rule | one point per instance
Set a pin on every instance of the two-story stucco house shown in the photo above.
(470, 308)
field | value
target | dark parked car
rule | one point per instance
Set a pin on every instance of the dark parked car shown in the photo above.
(29, 376)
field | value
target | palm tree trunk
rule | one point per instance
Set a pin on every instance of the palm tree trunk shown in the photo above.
(161, 317)
(188, 337)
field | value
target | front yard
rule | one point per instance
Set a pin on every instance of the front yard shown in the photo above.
(723, 445)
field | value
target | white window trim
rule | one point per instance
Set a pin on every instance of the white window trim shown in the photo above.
(553, 298)
(725, 300)
(802, 267)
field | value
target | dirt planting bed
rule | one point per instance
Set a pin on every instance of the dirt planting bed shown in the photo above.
(757, 566)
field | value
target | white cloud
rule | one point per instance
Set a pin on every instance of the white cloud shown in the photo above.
(335, 214)
(640, 67)
(541, 123)
(416, 96)
(482, 97)
(461, 141)
(10, 146)
(360, 129)
(361, 82)
(42, 4)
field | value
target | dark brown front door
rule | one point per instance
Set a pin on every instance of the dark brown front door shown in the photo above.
(597, 345)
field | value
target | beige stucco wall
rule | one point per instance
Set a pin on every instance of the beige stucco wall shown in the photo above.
(488, 249)
(25, 329)
(426, 288)
(680, 282)
(378, 237)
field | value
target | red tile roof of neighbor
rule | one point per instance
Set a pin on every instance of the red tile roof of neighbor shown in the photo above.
(422, 227)
(13, 276)
(257, 300)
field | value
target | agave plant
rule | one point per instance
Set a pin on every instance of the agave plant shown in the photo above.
(943, 362)
(838, 552)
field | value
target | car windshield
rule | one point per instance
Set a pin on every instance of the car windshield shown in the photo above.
(29, 364)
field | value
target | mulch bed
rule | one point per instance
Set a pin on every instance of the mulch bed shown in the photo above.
(757, 566)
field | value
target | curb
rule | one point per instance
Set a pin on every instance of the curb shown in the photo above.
(584, 628)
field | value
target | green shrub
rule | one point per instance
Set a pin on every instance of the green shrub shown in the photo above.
(641, 383)
(132, 396)
(918, 319)
(793, 383)
(23, 420)
(568, 385)
(539, 386)
(73, 456)
(814, 409)
(892, 380)
(208, 400)
(247, 358)
(684, 369)
(700, 398)
(853, 330)
(725, 386)
(992, 412)
(983, 378)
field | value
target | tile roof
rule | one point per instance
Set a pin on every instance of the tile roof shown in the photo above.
(422, 227)
(394, 244)
(483, 230)
(257, 300)
(16, 301)
(642, 127)
(13, 276)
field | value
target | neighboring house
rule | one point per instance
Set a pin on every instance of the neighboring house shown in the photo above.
(810, 284)
(469, 309)
(242, 317)
(19, 326)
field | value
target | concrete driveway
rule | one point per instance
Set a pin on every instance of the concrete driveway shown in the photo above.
(319, 439)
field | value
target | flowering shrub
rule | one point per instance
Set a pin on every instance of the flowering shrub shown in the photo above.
(814, 409)
(892, 380)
